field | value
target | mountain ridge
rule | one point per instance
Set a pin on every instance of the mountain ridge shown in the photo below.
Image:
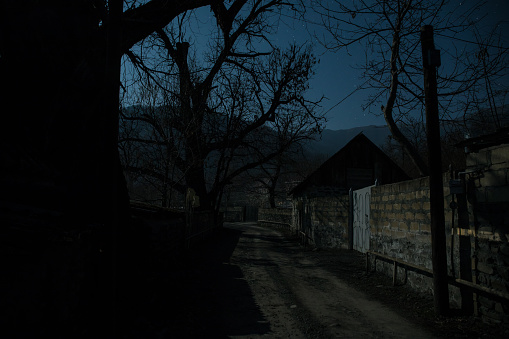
(331, 141)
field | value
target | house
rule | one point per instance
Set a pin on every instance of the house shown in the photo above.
(321, 203)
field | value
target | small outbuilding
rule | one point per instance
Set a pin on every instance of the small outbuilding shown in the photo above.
(321, 203)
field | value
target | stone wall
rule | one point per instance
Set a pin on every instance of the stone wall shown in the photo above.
(323, 220)
(400, 228)
(487, 180)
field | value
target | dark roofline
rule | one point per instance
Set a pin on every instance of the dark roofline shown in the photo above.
(501, 136)
(337, 154)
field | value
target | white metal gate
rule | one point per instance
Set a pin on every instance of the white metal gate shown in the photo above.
(361, 199)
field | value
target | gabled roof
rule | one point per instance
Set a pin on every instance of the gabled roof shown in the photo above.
(342, 154)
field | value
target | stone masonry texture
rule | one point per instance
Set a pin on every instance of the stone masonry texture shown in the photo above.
(400, 228)
(488, 203)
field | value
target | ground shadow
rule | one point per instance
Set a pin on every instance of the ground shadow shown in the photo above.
(207, 297)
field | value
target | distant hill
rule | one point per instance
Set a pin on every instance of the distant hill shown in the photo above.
(333, 140)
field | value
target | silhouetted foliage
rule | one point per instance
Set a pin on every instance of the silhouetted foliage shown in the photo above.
(240, 106)
(389, 32)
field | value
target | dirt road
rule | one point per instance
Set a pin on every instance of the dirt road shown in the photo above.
(296, 298)
(248, 281)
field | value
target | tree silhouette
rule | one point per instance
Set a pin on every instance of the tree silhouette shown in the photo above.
(60, 64)
(389, 33)
(60, 171)
(239, 108)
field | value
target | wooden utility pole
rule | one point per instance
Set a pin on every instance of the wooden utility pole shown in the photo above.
(431, 59)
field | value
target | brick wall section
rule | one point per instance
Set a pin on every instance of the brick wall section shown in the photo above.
(489, 206)
(275, 217)
(400, 228)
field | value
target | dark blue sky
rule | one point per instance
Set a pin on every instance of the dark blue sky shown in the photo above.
(336, 78)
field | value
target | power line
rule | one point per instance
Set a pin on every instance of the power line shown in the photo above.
(349, 95)
(470, 42)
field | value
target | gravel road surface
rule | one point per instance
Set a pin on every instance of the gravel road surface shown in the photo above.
(297, 298)
(248, 281)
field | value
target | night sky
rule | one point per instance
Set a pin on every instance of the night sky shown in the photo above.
(336, 77)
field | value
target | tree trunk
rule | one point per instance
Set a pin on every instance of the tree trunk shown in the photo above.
(60, 75)
(58, 135)
(388, 109)
(58, 81)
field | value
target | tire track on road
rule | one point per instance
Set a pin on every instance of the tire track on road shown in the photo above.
(301, 300)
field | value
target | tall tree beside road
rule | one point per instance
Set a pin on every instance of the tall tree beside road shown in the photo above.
(60, 173)
(389, 32)
(240, 106)
(59, 135)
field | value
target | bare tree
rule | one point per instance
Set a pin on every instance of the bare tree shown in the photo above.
(485, 106)
(389, 32)
(415, 131)
(60, 76)
(231, 107)
(65, 57)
